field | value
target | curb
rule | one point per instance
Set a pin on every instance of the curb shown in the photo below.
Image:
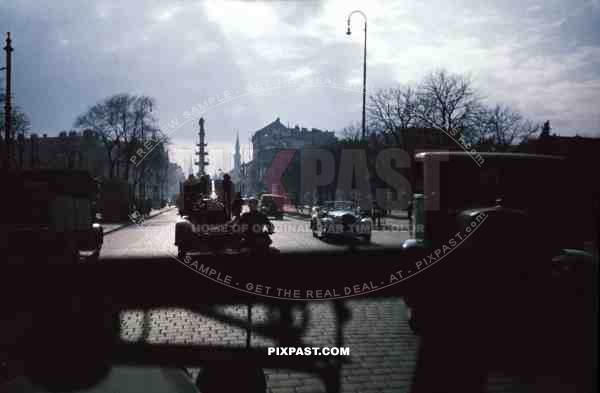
(131, 223)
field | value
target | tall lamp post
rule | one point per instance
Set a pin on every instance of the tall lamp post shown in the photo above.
(145, 102)
(364, 90)
(5, 159)
(7, 106)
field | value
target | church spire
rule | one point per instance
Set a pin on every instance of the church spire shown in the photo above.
(237, 157)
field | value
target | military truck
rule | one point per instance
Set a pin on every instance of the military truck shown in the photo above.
(203, 226)
(50, 216)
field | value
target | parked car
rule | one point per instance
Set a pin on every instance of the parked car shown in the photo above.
(341, 220)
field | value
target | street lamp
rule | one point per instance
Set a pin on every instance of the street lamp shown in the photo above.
(364, 126)
(145, 102)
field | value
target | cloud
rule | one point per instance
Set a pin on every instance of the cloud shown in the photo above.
(540, 56)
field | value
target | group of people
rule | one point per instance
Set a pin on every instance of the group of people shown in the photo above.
(252, 223)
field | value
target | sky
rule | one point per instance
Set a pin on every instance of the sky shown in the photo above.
(244, 64)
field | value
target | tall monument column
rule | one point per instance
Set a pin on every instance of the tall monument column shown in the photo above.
(202, 153)
(237, 157)
(236, 173)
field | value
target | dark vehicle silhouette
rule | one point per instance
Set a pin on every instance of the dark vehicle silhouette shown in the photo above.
(50, 213)
(204, 225)
(271, 205)
(485, 229)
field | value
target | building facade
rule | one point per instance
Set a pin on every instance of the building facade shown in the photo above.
(267, 141)
(85, 151)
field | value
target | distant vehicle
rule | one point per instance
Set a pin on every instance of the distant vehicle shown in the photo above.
(52, 213)
(203, 225)
(271, 205)
(340, 219)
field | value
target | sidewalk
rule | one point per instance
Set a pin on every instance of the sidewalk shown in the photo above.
(110, 227)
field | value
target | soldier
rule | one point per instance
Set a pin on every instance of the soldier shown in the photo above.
(236, 206)
(227, 200)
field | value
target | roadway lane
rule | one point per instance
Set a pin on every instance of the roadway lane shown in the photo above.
(381, 344)
(156, 237)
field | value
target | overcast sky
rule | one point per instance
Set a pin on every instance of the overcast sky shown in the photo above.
(541, 57)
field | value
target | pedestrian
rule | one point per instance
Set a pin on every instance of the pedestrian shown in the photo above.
(236, 206)
(377, 214)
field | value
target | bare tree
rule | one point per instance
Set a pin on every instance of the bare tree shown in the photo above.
(351, 133)
(394, 111)
(21, 125)
(144, 124)
(118, 121)
(503, 127)
(448, 101)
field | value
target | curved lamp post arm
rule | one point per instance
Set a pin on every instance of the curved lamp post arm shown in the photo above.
(356, 12)
(364, 92)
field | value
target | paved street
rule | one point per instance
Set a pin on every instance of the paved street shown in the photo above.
(157, 235)
(381, 344)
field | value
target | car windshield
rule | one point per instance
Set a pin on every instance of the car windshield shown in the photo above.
(338, 205)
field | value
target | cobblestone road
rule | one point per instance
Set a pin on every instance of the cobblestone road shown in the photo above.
(382, 346)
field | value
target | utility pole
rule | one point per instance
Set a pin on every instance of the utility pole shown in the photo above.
(7, 107)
